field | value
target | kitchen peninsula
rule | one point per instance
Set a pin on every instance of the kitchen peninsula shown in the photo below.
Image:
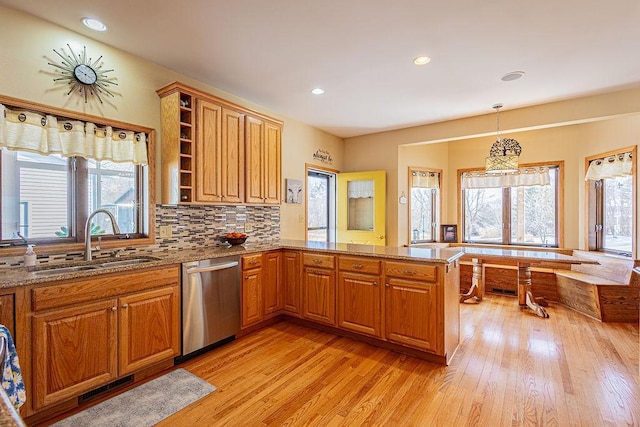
(403, 299)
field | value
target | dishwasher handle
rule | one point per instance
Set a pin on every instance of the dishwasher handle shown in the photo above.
(215, 267)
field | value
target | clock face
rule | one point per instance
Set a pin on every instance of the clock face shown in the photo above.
(85, 74)
(79, 74)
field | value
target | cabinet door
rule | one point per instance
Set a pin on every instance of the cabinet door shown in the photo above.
(272, 163)
(232, 158)
(254, 136)
(292, 281)
(149, 328)
(273, 296)
(252, 309)
(359, 303)
(319, 295)
(411, 313)
(74, 351)
(208, 152)
(7, 318)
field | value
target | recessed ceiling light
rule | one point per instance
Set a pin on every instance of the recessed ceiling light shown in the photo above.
(421, 60)
(514, 75)
(94, 24)
(317, 91)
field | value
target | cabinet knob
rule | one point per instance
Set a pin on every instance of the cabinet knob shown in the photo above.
(246, 277)
(114, 308)
(125, 305)
(386, 284)
(375, 283)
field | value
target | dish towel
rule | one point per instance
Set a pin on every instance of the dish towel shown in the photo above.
(11, 374)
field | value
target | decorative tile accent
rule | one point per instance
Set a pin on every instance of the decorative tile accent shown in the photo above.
(191, 227)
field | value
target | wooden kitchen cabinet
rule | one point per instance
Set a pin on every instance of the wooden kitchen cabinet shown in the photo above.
(75, 350)
(359, 298)
(411, 296)
(219, 154)
(273, 282)
(214, 151)
(263, 161)
(319, 288)
(252, 290)
(149, 328)
(291, 260)
(88, 332)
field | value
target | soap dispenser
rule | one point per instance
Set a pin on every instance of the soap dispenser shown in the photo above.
(30, 257)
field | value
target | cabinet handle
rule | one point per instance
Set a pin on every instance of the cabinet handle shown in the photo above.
(114, 308)
(386, 284)
(253, 261)
(125, 305)
(357, 265)
(317, 261)
(409, 272)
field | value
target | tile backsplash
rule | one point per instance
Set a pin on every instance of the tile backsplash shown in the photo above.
(191, 227)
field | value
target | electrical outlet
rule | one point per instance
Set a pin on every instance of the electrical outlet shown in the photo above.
(165, 231)
(248, 228)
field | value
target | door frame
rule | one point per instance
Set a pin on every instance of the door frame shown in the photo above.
(308, 166)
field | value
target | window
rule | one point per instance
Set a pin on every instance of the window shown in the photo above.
(424, 202)
(321, 190)
(611, 194)
(47, 197)
(521, 212)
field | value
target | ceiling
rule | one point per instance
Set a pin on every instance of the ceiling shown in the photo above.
(273, 53)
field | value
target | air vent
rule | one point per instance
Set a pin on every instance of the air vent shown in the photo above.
(504, 291)
(105, 388)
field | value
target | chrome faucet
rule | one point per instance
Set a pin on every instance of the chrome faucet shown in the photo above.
(87, 231)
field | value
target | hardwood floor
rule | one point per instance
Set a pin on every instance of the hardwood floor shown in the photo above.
(512, 368)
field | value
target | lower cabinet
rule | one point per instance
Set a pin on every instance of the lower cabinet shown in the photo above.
(411, 309)
(80, 344)
(291, 266)
(319, 287)
(252, 290)
(359, 296)
(273, 283)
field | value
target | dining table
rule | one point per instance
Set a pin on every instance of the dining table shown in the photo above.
(524, 259)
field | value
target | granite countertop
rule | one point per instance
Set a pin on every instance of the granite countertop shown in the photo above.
(20, 276)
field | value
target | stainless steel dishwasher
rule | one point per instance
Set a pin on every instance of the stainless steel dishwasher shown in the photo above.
(210, 303)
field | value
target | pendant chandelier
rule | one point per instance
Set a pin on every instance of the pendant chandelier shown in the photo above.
(504, 153)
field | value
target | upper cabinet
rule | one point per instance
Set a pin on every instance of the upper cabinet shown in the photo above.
(263, 166)
(217, 152)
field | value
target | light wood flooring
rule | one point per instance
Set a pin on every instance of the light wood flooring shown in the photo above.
(512, 368)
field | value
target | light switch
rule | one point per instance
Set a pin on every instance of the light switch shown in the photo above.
(248, 228)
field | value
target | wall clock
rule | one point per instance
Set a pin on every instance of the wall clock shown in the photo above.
(84, 76)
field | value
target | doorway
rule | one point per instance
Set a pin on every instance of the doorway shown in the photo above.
(321, 204)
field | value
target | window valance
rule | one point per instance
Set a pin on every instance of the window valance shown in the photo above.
(618, 165)
(360, 189)
(425, 179)
(46, 134)
(524, 177)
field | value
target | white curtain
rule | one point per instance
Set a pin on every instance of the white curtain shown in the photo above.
(360, 189)
(46, 134)
(610, 167)
(424, 179)
(524, 177)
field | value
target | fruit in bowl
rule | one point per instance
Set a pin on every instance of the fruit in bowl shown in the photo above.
(235, 238)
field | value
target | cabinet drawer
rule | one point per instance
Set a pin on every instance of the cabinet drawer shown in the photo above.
(411, 271)
(103, 286)
(318, 260)
(251, 261)
(359, 264)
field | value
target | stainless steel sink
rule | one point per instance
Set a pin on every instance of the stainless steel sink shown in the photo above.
(64, 270)
(125, 262)
(50, 271)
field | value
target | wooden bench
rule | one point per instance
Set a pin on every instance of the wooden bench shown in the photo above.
(607, 291)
